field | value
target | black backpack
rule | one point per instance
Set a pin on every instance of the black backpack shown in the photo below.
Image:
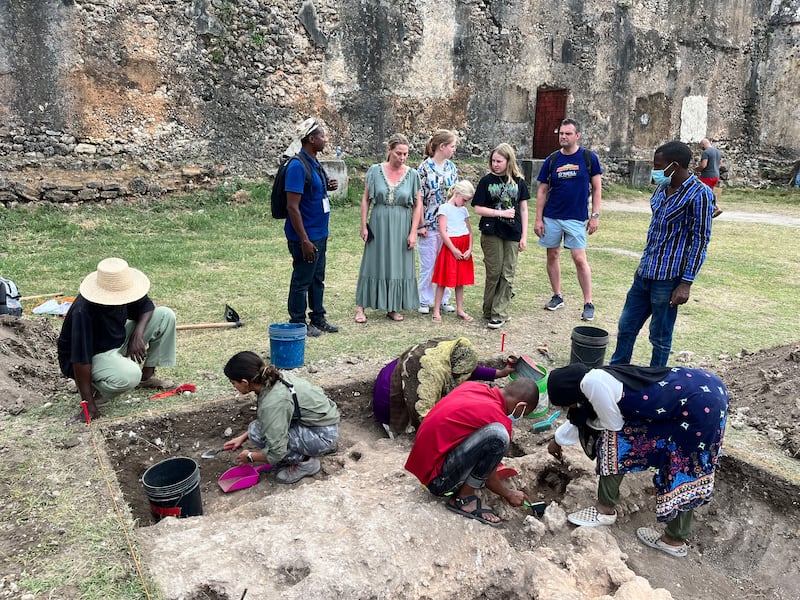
(9, 298)
(587, 156)
(278, 195)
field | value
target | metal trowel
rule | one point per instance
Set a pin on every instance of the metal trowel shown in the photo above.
(212, 453)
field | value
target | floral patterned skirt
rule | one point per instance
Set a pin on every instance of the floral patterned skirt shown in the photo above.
(675, 427)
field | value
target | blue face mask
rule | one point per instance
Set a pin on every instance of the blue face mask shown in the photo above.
(659, 177)
(512, 417)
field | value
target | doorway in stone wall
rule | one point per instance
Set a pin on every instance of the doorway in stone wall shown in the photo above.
(551, 109)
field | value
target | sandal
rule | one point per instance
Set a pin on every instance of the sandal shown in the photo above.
(436, 319)
(156, 383)
(465, 317)
(361, 317)
(457, 507)
(394, 315)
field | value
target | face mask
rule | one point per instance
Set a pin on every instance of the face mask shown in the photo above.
(659, 177)
(512, 417)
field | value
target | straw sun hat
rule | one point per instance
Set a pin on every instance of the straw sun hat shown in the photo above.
(114, 283)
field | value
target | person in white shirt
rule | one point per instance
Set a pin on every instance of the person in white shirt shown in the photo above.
(633, 418)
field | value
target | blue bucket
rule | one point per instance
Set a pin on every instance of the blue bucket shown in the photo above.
(287, 345)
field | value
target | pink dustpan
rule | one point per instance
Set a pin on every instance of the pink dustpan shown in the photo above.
(241, 477)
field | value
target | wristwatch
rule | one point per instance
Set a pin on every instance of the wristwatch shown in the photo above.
(595, 215)
(250, 456)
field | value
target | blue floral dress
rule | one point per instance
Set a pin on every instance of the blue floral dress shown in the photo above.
(674, 426)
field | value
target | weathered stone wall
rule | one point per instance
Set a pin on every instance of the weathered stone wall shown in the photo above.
(173, 82)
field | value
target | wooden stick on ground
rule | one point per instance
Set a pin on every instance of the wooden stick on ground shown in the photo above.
(208, 326)
(56, 295)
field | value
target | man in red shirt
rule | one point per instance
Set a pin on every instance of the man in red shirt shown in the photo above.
(463, 439)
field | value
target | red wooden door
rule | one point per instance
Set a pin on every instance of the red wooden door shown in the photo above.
(551, 109)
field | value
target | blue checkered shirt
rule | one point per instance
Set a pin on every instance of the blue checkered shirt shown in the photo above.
(679, 232)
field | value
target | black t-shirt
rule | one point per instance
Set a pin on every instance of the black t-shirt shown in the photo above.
(91, 328)
(500, 194)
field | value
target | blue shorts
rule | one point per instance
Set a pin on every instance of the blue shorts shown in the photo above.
(573, 233)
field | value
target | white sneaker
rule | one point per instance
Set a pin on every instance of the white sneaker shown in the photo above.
(651, 537)
(424, 309)
(589, 517)
(448, 308)
(294, 473)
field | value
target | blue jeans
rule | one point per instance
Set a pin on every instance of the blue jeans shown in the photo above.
(307, 287)
(647, 298)
(472, 461)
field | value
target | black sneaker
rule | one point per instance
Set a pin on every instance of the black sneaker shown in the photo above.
(325, 326)
(312, 331)
(496, 323)
(588, 312)
(555, 303)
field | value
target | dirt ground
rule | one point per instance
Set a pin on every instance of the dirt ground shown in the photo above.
(364, 528)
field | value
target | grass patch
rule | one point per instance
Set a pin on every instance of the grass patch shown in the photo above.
(204, 251)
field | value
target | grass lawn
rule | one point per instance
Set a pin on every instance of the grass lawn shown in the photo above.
(204, 251)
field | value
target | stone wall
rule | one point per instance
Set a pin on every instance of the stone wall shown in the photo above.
(85, 83)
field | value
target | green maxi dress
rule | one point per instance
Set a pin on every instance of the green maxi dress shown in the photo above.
(387, 279)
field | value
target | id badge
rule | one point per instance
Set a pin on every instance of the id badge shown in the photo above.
(326, 204)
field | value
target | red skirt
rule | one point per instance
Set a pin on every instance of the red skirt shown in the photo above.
(449, 272)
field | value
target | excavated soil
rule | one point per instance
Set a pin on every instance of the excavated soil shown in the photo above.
(363, 527)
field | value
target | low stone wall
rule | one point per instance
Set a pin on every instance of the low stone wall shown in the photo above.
(61, 187)
(87, 184)
(108, 181)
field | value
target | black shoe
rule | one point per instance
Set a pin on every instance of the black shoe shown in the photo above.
(588, 312)
(496, 323)
(325, 326)
(312, 331)
(555, 303)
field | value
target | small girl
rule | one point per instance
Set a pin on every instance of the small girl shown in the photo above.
(454, 266)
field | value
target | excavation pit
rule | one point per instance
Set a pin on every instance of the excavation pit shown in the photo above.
(364, 508)
(136, 445)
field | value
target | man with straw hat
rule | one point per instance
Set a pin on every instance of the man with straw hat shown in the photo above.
(110, 330)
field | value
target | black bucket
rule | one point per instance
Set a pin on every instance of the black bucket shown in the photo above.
(588, 346)
(173, 488)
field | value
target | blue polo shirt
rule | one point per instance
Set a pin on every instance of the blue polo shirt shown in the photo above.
(312, 202)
